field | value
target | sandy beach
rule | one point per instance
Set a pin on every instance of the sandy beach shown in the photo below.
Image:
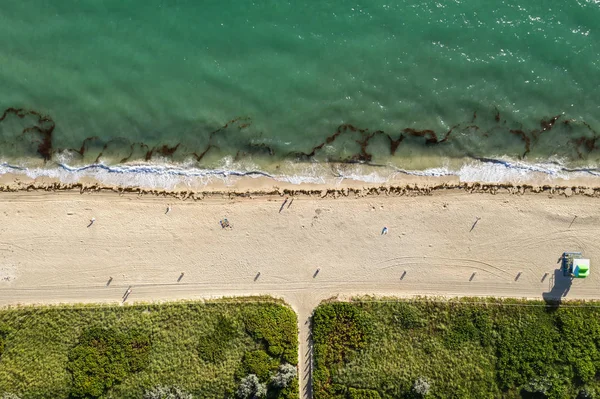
(304, 251)
(49, 254)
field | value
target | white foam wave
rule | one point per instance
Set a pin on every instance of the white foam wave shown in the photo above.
(184, 175)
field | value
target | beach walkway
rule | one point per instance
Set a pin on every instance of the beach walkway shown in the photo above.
(433, 246)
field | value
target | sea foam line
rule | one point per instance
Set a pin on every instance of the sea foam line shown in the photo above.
(485, 170)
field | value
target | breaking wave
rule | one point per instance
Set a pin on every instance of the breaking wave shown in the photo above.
(170, 176)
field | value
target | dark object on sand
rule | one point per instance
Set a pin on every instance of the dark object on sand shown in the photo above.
(225, 224)
(475, 224)
(282, 205)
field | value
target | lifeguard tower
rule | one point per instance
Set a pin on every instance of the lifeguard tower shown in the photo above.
(574, 265)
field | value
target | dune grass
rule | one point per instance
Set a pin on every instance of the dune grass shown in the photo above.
(456, 349)
(204, 349)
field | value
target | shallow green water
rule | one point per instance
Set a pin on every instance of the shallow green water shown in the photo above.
(139, 75)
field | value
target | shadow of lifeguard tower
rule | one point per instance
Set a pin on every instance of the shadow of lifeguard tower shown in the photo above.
(572, 265)
(559, 287)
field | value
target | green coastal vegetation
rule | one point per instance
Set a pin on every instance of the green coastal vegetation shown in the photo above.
(469, 348)
(241, 348)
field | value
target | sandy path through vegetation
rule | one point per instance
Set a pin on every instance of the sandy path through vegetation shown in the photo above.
(49, 255)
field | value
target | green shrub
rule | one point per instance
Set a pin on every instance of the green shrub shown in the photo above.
(468, 324)
(339, 329)
(103, 358)
(40, 360)
(526, 350)
(275, 326)
(4, 331)
(408, 316)
(163, 392)
(472, 349)
(212, 347)
(581, 347)
(363, 394)
(259, 363)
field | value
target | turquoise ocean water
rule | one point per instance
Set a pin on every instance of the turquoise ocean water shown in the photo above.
(282, 86)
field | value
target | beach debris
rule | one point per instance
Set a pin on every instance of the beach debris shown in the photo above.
(92, 220)
(477, 219)
(168, 209)
(403, 275)
(290, 204)
(573, 221)
(316, 272)
(384, 231)
(110, 279)
(180, 276)
(225, 224)
(257, 276)
(472, 276)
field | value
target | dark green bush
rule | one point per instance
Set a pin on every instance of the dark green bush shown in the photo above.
(486, 349)
(212, 347)
(527, 349)
(103, 358)
(46, 354)
(581, 347)
(339, 329)
(4, 330)
(276, 327)
(469, 324)
(408, 316)
(260, 364)
(363, 394)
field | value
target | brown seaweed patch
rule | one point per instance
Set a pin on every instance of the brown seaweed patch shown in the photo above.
(41, 134)
(43, 129)
(524, 137)
(394, 143)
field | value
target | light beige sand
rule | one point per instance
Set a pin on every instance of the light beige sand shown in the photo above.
(49, 255)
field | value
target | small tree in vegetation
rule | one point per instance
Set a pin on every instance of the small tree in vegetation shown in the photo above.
(163, 392)
(284, 376)
(422, 386)
(251, 388)
(259, 363)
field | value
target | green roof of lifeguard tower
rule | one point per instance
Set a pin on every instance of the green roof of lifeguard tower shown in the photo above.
(581, 268)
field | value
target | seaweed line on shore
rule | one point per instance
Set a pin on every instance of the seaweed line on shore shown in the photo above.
(411, 189)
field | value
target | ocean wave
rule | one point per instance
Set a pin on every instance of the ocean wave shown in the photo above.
(172, 176)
